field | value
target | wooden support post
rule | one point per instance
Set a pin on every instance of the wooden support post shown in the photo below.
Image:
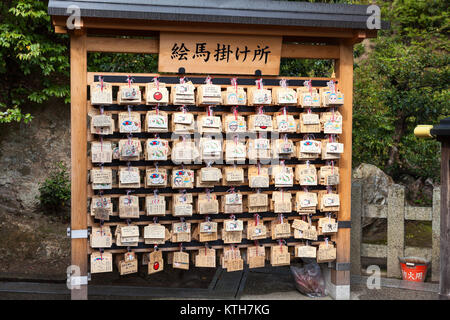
(344, 73)
(78, 120)
(444, 292)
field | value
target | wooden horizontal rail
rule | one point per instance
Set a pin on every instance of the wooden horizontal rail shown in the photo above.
(300, 51)
(122, 45)
(151, 46)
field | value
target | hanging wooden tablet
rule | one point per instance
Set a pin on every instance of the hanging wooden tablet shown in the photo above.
(309, 145)
(130, 149)
(156, 93)
(157, 121)
(129, 177)
(256, 256)
(231, 259)
(259, 149)
(260, 123)
(325, 154)
(102, 124)
(331, 96)
(306, 202)
(182, 179)
(326, 253)
(329, 175)
(183, 122)
(209, 94)
(208, 231)
(258, 177)
(285, 123)
(129, 94)
(155, 233)
(127, 236)
(279, 256)
(101, 208)
(101, 178)
(234, 95)
(233, 176)
(308, 97)
(309, 122)
(235, 150)
(183, 94)
(234, 123)
(281, 202)
(256, 230)
(101, 93)
(101, 262)
(209, 124)
(182, 205)
(304, 251)
(101, 152)
(206, 258)
(210, 149)
(155, 205)
(283, 149)
(282, 176)
(180, 260)
(129, 264)
(157, 149)
(156, 178)
(308, 234)
(185, 152)
(129, 207)
(259, 96)
(258, 202)
(331, 122)
(210, 174)
(280, 230)
(306, 174)
(207, 204)
(100, 237)
(232, 231)
(155, 262)
(129, 122)
(181, 232)
(328, 201)
(327, 226)
(232, 203)
(284, 96)
(301, 225)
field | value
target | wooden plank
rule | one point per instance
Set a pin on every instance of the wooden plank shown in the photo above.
(230, 28)
(78, 120)
(344, 73)
(219, 53)
(299, 51)
(122, 45)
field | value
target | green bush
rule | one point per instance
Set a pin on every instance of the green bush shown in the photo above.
(54, 192)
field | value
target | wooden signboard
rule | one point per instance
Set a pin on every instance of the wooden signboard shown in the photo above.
(219, 53)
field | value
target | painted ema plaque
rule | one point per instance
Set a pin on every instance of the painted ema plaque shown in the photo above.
(219, 53)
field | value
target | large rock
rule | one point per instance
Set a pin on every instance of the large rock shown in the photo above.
(29, 151)
(375, 187)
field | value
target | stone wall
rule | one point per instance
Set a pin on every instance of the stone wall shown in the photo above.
(28, 151)
(32, 244)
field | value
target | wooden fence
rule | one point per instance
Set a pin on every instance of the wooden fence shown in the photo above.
(396, 211)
